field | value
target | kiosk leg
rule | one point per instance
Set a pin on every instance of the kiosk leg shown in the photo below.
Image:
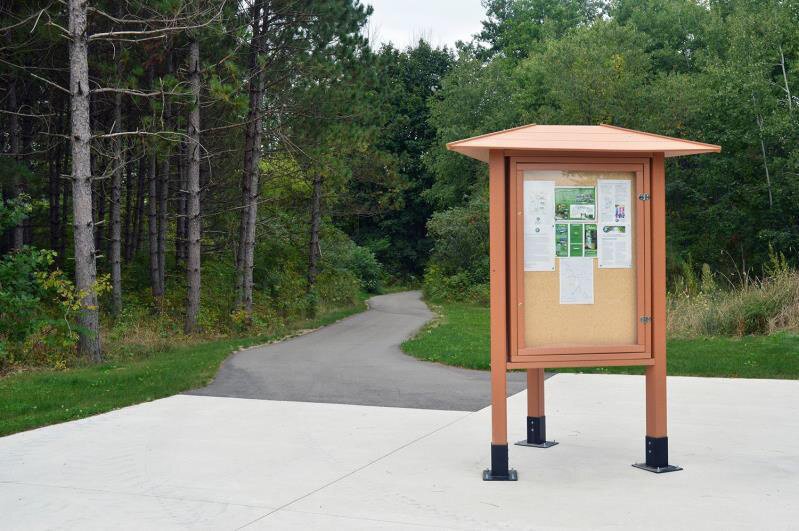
(499, 470)
(656, 444)
(498, 174)
(536, 420)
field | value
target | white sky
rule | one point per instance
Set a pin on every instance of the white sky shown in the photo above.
(441, 22)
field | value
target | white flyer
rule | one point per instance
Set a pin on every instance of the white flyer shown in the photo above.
(615, 247)
(614, 201)
(615, 224)
(539, 225)
(577, 281)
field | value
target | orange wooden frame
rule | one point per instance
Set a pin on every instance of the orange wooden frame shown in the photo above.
(505, 265)
(577, 355)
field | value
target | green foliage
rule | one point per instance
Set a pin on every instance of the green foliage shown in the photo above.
(390, 210)
(348, 258)
(705, 71)
(38, 305)
(458, 267)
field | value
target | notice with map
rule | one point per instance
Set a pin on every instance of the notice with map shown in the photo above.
(577, 281)
(539, 226)
(614, 232)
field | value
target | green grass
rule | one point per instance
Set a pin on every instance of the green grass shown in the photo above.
(38, 398)
(460, 336)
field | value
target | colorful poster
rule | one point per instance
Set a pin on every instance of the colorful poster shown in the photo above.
(589, 240)
(575, 203)
(577, 281)
(576, 240)
(539, 225)
(561, 240)
(615, 223)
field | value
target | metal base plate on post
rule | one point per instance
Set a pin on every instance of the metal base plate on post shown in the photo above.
(545, 444)
(657, 456)
(499, 470)
(657, 469)
(511, 476)
(536, 433)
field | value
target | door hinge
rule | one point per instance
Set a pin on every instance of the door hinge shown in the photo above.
(643, 197)
(646, 319)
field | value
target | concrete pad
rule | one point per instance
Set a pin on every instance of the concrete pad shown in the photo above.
(735, 439)
(203, 462)
(192, 461)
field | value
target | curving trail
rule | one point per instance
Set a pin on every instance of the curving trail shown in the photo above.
(357, 361)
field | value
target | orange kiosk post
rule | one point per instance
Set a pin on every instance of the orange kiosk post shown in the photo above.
(578, 265)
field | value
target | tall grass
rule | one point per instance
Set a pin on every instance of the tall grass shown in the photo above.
(698, 306)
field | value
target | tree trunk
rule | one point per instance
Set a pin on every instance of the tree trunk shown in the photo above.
(85, 266)
(127, 226)
(152, 225)
(787, 87)
(65, 184)
(314, 251)
(163, 190)
(116, 200)
(26, 130)
(152, 212)
(54, 189)
(252, 160)
(180, 229)
(759, 120)
(141, 185)
(18, 239)
(193, 186)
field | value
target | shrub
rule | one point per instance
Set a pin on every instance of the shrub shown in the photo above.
(439, 287)
(458, 267)
(342, 254)
(759, 306)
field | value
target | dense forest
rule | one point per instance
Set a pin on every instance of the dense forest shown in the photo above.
(193, 168)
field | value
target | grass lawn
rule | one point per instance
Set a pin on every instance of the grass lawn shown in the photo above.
(38, 398)
(461, 337)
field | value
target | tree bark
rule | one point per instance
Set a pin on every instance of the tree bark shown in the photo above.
(163, 191)
(141, 185)
(193, 186)
(180, 229)
(54, 189)
(127, 225)
(85, 265)
(65, 184)
(116, 200)
(787, 87)
(759, 120)
(152, 225)
(252, 160)
(314, 250)
(18, 239)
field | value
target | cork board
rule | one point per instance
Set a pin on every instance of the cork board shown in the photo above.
(613, 317)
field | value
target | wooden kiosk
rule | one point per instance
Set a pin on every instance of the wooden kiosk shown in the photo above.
(578, 265)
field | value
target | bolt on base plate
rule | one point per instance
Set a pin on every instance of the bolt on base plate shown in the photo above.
(545, 444)
(488, 476)
(657, 469)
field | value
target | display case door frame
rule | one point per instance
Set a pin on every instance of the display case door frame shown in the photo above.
(635, 353)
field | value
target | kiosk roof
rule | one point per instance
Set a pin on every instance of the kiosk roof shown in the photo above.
(597, 138)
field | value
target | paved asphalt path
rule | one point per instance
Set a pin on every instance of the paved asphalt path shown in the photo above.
(357, 361)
